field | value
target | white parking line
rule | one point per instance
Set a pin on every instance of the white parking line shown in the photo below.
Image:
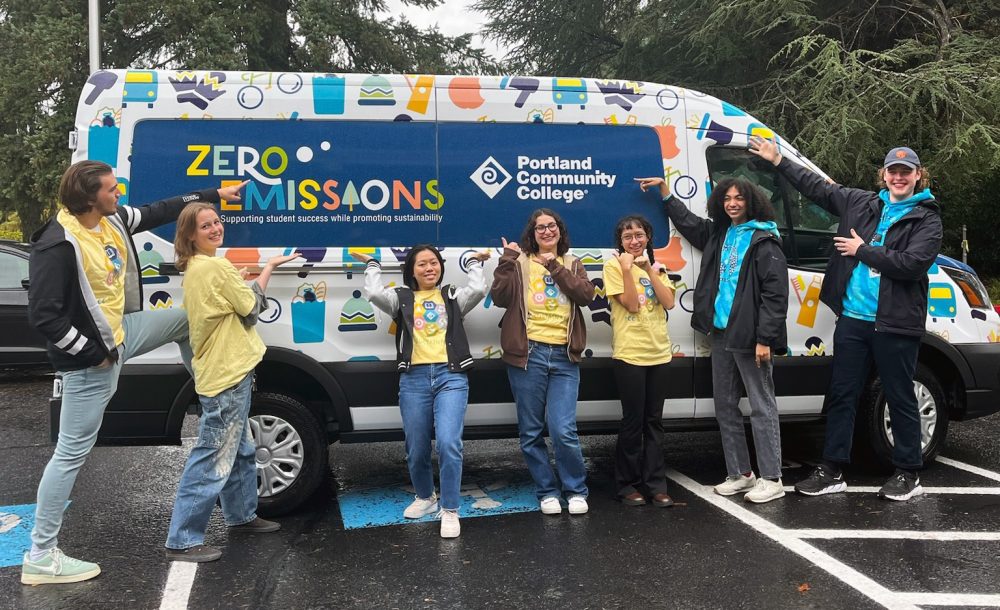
(834, 567)
(989, 474)
(972, 491)
(951, 599)
(894, 534)
(178, 588)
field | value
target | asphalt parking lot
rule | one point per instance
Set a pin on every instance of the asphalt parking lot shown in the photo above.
(346, 549)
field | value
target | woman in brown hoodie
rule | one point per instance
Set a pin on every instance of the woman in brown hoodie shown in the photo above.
(542, 334)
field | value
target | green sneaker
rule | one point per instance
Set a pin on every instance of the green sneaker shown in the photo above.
(56, 568)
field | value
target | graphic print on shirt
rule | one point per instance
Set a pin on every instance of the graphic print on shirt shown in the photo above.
(115, 270)
(647, 297)
(545, 293)
(429, 318)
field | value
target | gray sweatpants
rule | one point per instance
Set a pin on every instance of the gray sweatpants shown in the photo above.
(731, 373)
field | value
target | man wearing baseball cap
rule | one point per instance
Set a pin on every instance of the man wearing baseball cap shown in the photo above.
(876, 284)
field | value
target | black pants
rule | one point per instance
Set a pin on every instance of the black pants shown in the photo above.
(639, 455)
(855, 346)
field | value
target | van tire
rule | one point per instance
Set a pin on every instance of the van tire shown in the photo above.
(872, 443)
(279, 421)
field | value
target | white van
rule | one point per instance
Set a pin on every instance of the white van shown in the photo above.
(342, 162)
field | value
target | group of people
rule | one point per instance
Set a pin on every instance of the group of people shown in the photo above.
(85, 297)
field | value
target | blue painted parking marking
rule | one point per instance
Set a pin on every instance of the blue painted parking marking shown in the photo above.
(381, 506)
(15, 533)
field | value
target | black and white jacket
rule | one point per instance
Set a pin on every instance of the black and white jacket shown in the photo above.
(398, 303)
(61, 303)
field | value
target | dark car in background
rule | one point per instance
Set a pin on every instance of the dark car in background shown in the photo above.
(21, 346)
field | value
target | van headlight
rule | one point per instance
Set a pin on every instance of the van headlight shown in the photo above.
(974, 291)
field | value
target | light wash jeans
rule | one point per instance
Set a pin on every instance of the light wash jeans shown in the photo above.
(731, 373)
(221, 466)
(85, 395)
(546, 393)
(432, 403)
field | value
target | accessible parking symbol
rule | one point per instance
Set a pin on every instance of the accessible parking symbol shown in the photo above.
(15, 533)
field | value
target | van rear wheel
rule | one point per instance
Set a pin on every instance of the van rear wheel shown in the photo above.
(875, 440)
(291, 452)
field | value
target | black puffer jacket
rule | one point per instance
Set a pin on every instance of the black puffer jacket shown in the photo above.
(909, 250)
(759, 306)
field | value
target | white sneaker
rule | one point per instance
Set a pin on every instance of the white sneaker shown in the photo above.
(578, 505)
(550, 505)
(734, 485)
(765, 491)
(450, 527)
(421, 507)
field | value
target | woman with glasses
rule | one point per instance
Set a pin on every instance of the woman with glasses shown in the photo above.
(542, 335)
(640, 293)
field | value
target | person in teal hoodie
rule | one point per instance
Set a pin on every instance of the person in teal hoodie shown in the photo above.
(741, 301)
(877, 287)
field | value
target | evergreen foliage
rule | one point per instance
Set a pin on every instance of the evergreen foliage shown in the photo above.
(844, 81)
(44, 46)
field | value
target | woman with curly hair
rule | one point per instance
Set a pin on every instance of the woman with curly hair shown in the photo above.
(741, 301)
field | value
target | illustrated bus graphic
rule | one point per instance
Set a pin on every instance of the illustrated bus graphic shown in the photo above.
(569, 91)
(140, 87)
(941, 301)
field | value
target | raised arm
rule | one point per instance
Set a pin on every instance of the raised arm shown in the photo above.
(377, 294)
(474, 291)
(504, 289)
(694, 228)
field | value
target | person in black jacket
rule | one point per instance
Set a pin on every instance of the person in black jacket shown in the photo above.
(878, 289)
(741, 301)
(85, 297)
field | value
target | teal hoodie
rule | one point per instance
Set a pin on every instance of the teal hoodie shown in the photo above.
(734, 248)
(861, 297)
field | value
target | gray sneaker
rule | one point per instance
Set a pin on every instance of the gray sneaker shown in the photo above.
(55, 568)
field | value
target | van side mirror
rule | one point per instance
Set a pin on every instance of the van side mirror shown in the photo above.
(26, 283)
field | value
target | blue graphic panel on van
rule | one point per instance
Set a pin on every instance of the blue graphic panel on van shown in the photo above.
(367, 183)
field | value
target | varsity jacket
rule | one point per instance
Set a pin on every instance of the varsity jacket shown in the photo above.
(398, 303)
(61, 303)
(909, 250)
(508, 291)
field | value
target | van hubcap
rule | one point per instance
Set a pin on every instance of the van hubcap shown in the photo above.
(279, 454)
(926, 407)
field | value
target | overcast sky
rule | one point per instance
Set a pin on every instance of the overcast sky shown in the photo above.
(453, 17)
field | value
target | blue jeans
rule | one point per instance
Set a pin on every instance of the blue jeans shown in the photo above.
(85, 395)
(432, 403)
(221, 466)
(545, 393)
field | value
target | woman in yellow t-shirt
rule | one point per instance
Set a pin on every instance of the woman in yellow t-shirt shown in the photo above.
(542, 333)
(432, 354)
(222, 311)
(640, 294)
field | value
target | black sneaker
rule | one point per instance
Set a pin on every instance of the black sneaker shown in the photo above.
(820, 482)
(257, 526)
(902, 486)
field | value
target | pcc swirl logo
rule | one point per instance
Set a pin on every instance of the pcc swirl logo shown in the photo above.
(491, 177)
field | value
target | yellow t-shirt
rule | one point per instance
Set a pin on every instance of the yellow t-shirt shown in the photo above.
(548, 308)
(637, 338)
(215, 296)
(104, 255)
(429, 325)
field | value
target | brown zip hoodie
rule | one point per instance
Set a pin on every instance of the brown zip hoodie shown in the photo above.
(508, 292)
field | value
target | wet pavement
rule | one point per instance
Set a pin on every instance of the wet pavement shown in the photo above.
(847, 550)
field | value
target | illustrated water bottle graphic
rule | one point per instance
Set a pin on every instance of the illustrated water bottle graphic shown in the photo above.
(103, 140)
(309, 313)
(328, 94)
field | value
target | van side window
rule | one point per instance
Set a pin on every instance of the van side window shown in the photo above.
(806, 229)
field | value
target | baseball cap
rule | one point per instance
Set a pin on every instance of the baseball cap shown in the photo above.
(902, 155)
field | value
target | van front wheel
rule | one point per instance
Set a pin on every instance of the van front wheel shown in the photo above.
(291, 452)
(876, 440)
